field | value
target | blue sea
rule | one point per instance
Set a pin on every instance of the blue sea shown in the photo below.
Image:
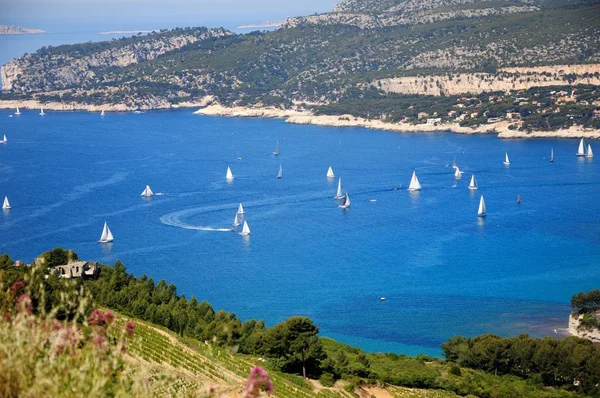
(442, 270)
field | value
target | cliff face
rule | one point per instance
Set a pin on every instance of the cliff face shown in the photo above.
(593, 335)
(49, 70)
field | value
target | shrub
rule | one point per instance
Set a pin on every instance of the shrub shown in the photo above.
(327, 380)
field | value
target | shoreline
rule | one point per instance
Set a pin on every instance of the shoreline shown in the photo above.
(305, 117)
(593, 335)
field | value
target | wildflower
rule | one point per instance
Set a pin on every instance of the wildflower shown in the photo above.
(99, 339)
(7, 316)
(18, 285)
(109, 317)
(96, 318)
(258, 378)
(24, 304)
(130, 328)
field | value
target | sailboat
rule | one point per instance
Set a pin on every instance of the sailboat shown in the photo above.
(454, 165)
(519, 198)
(414, 183)
(481, 212)
(18, 112)
(229, 175)
(147, 192)
(590, 153)
(280, 174)
(106, 236)
(552, 155)
(506, 161)
(473, 184)
(236, 221)
(42, 112)
(330, 173)
(245, 229)
(4, 140)
(6, 204)
(276, 151)
(581, 150)
(102, 113)
(457, 173)
(240, 209)
(339, 194)
(346, 203)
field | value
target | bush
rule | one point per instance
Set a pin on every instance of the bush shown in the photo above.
(327, 380)
(455, 370)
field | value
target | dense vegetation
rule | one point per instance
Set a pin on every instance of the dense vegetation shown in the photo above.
(486, 366)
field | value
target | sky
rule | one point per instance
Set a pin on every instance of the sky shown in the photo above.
(66, 16)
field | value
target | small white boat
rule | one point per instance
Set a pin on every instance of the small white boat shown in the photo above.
(590, 153)
(382, 299)
(6, 204)
(552, 155)
(280, 174)
(330, 173)
(18, 112)
(581, 150)
(102, 113)
(240, 209)
(4, 140)
(481, 212)
(276, 151)
(106, 236)
(506, 161)
(473, 184)
(415, 185)
(236, 221)
(229, 175)
(147, 192)
(346, 202)
(340, 193)
(457, 173)
(373, 200)
(245, 229)
(42, 112)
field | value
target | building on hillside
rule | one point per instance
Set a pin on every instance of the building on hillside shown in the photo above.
(513, 115)
(78, 269)
(422, 115)
(434, 121)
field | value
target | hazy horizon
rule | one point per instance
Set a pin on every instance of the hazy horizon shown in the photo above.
(69, 16)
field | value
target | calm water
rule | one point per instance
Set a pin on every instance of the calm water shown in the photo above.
(443, 271)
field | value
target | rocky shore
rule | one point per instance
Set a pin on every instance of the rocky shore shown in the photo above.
(305, 117)
(584, 334)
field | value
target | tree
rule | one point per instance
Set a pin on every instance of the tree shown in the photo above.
(295, 344)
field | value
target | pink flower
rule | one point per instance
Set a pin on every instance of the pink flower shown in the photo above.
(7, 316)
(109, 317)
(257, 380)
(130, 328)
(96, 318)
(24, 304)
(18, 285)
(99, 339)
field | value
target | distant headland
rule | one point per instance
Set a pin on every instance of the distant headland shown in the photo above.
(18, 30)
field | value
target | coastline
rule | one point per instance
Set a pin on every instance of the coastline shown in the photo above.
(305, 117)
(594, 336)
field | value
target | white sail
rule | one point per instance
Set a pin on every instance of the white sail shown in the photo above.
(454, 165)
(147, 192)
(4, 140)
(473, 183)
(236, 221)
(457, 173)
(42, 112)
(552, 155)
(481, 212)
(6, 204)
(346, 203)
(102, 113)
(340, 193)
(276, 151)
(18, 112)
(245, 229)
(414, 183)
(280, 174)
(240, 209)
(330, 173)
(229, 174)
(506, 161)
(580, 151)
(589, 154)
(106, 236)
